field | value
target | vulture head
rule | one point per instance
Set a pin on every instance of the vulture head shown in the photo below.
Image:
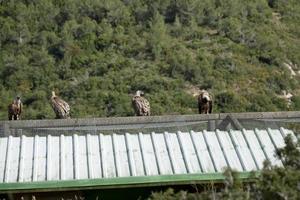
(18, 100)
(139, 93)
(53, 94)
(205, 96)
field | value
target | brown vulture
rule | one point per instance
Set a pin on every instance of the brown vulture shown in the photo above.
(204, 102)
(60, 107)
(15, 109)
(140, 104)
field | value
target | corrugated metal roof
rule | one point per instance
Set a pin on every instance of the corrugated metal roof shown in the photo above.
(74, 157)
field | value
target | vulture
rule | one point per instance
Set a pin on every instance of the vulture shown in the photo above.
(140, 104)
(15, 109)
(204, 102)
(60, 107)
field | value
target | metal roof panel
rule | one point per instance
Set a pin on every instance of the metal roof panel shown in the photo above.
(255, 149)
(243, 151)
(107, 156)
(203, 153)
(230, 153)
(161, 153)
(268, 146)
(215, 150)
(189, 152)
(3, 149)
(175, 152)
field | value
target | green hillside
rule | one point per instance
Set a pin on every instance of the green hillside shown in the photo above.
(96, 53)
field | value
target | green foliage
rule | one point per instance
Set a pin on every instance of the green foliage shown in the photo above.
(296, 102)
(282, 182)
(228, 101)
(96, 53)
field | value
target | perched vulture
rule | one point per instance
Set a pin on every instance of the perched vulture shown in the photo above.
(204, 102)
(140, 104)
(15, 109)
(60, 107)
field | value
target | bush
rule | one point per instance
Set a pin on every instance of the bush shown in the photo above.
(86, 48)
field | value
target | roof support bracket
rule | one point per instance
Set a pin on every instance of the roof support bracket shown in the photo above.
(230, 122)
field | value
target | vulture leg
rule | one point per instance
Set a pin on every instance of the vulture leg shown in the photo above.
(199, 108)
(210, 106)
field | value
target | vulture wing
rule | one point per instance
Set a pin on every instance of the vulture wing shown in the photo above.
(60, 107)
(141, 106)
(20, 108)
(200, 104)
(146, 106)
(136, 103)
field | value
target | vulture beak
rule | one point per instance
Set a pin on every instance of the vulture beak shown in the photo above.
(206, 98)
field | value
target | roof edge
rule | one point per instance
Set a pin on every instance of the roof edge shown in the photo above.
(121, 182)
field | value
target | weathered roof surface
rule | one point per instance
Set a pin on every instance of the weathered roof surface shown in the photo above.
(105, 156)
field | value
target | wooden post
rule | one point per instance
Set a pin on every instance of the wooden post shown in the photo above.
(211, 125)
(6, 129)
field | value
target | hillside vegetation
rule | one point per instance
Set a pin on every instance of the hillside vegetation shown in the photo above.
(96, 53)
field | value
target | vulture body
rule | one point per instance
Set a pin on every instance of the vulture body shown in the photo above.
(15, 109)
(204, 102)
(140, 104)
(60, 107)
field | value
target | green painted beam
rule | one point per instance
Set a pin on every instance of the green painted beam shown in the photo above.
(127, 182)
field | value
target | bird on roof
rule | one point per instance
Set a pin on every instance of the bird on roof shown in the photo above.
(205, 102)
(140, 104)
(15, 109)
(60, 107)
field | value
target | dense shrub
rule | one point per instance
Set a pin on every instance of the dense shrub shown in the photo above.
(96, 53)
